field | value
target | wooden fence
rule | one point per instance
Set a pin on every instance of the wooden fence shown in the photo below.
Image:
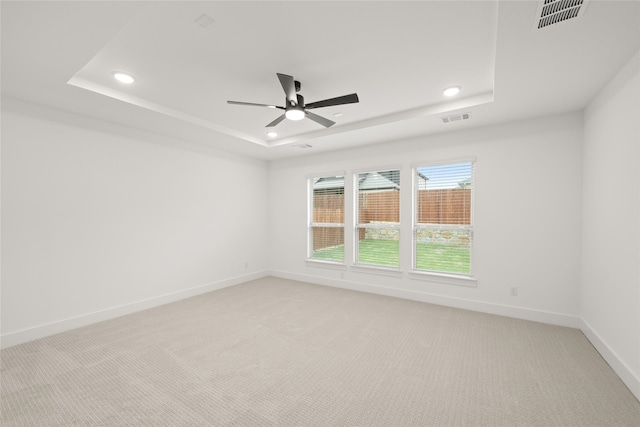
(328, 208)
(383, 206)
(446, 206)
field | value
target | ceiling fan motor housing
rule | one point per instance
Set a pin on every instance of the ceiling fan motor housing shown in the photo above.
(295, 108)
(295, 111)
(300, 103)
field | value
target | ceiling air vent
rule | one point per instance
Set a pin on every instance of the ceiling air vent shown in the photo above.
(456, 117)
(552, 12)
(303, 146)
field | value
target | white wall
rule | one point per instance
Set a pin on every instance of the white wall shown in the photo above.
(610, 294)
(100, 220)
(527, 217)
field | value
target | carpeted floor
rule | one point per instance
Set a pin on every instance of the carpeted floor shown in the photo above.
(285, 353)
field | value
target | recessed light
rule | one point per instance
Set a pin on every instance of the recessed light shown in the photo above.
(451, 91)
(123, 77)
(272, 134)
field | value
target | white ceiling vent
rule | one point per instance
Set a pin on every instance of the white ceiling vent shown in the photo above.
(552, 12)
(456, 117)
(303, 146)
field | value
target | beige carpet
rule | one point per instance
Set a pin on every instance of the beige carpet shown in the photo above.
(285, 353)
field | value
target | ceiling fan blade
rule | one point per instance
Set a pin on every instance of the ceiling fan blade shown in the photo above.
(276, 121)
(316, 118)
(346, 99)
(289, 86)
(254, 104)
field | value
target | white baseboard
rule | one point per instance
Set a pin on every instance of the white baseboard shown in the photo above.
(466, 304)
(631, 380)
(627, 376)
(622, 370)
(25, 335)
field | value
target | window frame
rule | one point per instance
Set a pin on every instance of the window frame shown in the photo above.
(311, 179)
(456, 278)
(356, 264)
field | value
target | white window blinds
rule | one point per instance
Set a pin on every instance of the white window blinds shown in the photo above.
(443, 220)
(377, 232)
(326, 219)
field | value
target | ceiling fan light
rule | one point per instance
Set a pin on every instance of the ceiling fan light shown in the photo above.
(294, 114)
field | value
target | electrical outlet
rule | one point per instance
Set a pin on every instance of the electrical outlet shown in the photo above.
(514, 291)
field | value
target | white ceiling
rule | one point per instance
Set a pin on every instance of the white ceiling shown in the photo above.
(398, 57)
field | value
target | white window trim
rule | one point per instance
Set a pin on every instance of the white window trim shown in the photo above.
(374, 268)
(442, 162)
(323, 263)
(448, 279)
(310, 224)
(325, 174)
(355, 172)
(377, 270)
(437, 276)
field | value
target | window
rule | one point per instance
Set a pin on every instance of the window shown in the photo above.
(326, 219)
(377, 232)
(443, 220)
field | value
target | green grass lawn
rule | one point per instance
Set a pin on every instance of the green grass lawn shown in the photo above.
(444, 258)
(430, 256)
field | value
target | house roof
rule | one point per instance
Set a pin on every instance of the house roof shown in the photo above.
(386, 180)
(329, 182)
(382, 180)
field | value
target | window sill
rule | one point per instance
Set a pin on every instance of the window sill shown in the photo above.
(448, 279)
(378, 270)
(325, 264)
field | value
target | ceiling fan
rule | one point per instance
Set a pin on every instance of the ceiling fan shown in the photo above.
(295, 108)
